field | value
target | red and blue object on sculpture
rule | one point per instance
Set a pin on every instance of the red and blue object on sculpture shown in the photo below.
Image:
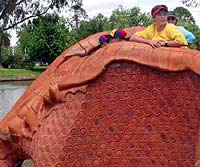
(106, 38)
(118, 33)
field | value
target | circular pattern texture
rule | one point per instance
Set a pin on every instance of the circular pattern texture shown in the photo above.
(130, 116)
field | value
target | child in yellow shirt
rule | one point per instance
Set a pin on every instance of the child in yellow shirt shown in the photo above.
(161, 33)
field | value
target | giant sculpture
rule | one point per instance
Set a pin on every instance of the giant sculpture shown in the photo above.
(125, 104)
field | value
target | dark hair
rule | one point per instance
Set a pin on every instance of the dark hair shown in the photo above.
(172, 14)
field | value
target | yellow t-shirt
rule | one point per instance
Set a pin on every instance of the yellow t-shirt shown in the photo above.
(169, 33)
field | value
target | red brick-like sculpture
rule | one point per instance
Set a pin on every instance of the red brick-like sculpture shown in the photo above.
(126, 104)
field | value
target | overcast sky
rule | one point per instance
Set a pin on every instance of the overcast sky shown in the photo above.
(93, 7)
(105, 7)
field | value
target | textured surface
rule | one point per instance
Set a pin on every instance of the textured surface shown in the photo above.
(105, 109)
(124, 120)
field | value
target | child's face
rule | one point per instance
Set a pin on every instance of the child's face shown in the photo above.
(171, 19)
(161, 18)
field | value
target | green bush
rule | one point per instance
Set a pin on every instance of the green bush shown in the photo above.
(15, 59)
(7, 57)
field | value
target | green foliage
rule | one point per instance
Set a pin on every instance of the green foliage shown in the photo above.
(14, 12)
(7, 57)
(21, 61)
(4, 39)
(45, 38)
(196, 31)
(187, 21)
(20, 72)
(191, 3)
(78, 13)
(123, 18)
(86, 28)
(120, 18)
(184, 15)
(14, 58)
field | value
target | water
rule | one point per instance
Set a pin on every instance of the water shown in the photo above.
(9, 94)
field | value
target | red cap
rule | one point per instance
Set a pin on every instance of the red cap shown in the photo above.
(157, 8)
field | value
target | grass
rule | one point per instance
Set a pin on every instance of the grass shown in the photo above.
(21, 72)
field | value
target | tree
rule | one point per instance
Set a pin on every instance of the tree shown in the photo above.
(7, 57)
(14, 12)
(127, 18)
(120, 18)
(78, 13)
(44, 38)
(193, 3)
(137, 18)
(4, 41)
(184, 15)
(196, 31)
(94, 25)
(187, 20)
